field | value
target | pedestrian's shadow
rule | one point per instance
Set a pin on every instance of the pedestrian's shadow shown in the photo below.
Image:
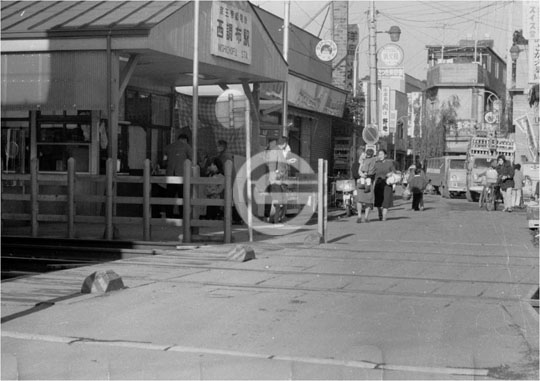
(397, 218)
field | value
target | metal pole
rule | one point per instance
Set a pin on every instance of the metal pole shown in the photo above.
(373, 65)
(286, 21)
(195, 110)
(355, 69)
(248, 173)
(510, 80)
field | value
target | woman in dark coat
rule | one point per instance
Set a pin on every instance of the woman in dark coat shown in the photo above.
(505, 170)
(364, 174)
(384, 195)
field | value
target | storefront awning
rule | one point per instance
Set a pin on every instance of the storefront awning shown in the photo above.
(232, 50)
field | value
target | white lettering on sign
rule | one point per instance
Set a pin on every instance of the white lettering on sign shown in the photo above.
(385, 110)
(391, 72)
(391, 55)
(231, 31)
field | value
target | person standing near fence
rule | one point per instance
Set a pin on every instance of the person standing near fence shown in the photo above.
(175, 155)
(215, 191)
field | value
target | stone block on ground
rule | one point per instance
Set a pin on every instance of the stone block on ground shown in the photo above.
(241, 254)
(101, 282)
(313, 239)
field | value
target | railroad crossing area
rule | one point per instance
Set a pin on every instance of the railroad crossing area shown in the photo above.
(446, 293)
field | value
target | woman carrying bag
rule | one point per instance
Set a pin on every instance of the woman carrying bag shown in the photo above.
(384, 181)
(364, 174)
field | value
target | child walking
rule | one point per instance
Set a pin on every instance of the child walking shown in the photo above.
(417, 185)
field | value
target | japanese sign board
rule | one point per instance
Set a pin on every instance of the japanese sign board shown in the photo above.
(393, 120)
(390, 55)
(531, 32)
(231, 31)
(415, 114)
(391, 72)
(307, 95)
(326, 50)
(385, 110)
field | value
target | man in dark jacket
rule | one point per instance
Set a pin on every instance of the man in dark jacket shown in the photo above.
(417, 185)
(505, 171)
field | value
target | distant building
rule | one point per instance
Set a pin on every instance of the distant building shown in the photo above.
(467, 79)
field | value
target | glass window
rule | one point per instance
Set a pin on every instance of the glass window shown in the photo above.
(457, 164)
(482, 163)
(16, 145)
(61, 136)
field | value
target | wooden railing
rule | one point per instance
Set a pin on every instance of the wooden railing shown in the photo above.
(110, 200)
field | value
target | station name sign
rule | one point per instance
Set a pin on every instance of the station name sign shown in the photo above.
(231, 31)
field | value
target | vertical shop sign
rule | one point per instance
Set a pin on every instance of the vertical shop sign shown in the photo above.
(531, 32)
(385, 110)
(415, 114)
(393, 120)
(231, 31)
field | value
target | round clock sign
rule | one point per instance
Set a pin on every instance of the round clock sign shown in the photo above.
(326, 50)
(391, 55)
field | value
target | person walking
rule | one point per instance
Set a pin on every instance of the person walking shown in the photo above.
(175, 154)
(417, 185)
(518, 187)
(364, 173)
(383, 192)
(505, 170)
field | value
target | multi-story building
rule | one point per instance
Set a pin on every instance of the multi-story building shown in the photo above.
(465, 92)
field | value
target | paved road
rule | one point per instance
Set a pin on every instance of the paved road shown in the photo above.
(439, 294)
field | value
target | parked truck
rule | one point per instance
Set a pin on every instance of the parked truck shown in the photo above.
(447, 175)
(481, 151)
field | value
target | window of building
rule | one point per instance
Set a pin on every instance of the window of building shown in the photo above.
(61, 136)
(497, 69)
(489, 63)
(15, 142)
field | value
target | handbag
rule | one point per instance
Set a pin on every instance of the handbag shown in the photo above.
(361, 183)
(406, 194)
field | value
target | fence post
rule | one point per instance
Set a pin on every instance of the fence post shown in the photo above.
(186, 223)
(227, 208)
(322, 204)
(71, 197)
(109, 200)
(34, 189)
(146, 200)
(325, 200)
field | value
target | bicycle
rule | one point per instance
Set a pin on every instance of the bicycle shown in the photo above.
(489, 197)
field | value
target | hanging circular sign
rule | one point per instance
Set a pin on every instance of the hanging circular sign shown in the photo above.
(391, 55)
(326, 50)
(230, 109)
(370, 134)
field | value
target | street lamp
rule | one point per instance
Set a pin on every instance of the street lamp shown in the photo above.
(514, 54)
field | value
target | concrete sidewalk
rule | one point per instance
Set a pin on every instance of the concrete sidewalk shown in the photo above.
(439, 294)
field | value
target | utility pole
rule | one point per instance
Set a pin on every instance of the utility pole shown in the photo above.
(509, 80)
(286, 22)
(373, 65)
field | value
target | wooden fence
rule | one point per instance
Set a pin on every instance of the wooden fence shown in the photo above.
(30, 185)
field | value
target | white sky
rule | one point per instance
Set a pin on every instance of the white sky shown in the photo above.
(422, 23)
